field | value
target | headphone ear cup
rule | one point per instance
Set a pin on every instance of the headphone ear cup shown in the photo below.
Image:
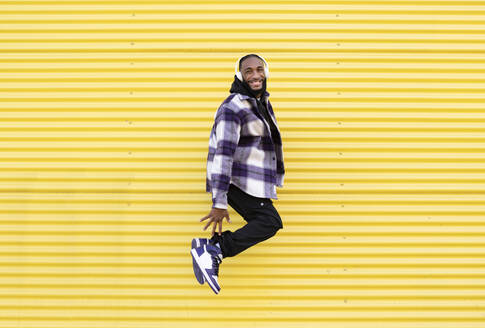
(266, 68)
(239, 76)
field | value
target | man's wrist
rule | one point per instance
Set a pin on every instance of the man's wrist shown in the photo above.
(220, 206)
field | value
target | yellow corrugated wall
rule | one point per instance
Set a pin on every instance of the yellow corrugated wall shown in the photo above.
(106, 109)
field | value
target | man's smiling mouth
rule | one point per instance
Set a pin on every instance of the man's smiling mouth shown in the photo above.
(255, 83)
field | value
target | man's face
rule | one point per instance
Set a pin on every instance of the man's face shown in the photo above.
(252, 70)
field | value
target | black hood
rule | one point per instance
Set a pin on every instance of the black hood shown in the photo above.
(244, 88)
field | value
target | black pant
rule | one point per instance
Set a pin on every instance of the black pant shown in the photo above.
(262, 217)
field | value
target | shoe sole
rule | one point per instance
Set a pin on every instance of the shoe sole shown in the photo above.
(196, 243)
(193, 252)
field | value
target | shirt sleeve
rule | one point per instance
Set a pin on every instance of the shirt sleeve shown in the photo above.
(228, 130)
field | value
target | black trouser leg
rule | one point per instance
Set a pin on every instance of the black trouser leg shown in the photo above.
(263, 221)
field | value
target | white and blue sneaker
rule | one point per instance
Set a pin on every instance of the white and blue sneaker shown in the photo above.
(207, 258)
(197, 242)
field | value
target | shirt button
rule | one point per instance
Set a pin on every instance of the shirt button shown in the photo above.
(262, 204)
(273, 158)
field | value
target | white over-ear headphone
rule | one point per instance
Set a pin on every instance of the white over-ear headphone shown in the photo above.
(239, 75)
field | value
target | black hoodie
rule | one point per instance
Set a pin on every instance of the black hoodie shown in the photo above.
(244, 88)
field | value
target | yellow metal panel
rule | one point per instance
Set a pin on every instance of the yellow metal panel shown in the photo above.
(105, 113)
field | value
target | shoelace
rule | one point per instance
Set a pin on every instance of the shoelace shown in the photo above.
(215, 264)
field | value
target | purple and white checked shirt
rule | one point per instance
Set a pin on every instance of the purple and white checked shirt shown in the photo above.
(242, 152)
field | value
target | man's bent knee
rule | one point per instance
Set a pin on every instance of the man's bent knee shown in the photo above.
(274, 230)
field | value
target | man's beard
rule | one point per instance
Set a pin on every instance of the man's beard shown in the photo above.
(257, 91)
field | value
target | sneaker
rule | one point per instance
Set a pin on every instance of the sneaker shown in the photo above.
(207, 258)
(197, 242)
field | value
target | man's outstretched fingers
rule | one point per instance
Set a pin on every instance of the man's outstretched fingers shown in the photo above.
(205, 217)
(208, 223)
(214, 227)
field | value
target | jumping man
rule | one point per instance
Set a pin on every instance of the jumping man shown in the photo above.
(244, 167)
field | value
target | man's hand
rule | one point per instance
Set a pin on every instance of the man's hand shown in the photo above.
(216, 216)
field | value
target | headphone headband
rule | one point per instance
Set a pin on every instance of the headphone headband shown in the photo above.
(238, 73)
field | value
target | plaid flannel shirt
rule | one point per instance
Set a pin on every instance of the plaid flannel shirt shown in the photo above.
(242, 152)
